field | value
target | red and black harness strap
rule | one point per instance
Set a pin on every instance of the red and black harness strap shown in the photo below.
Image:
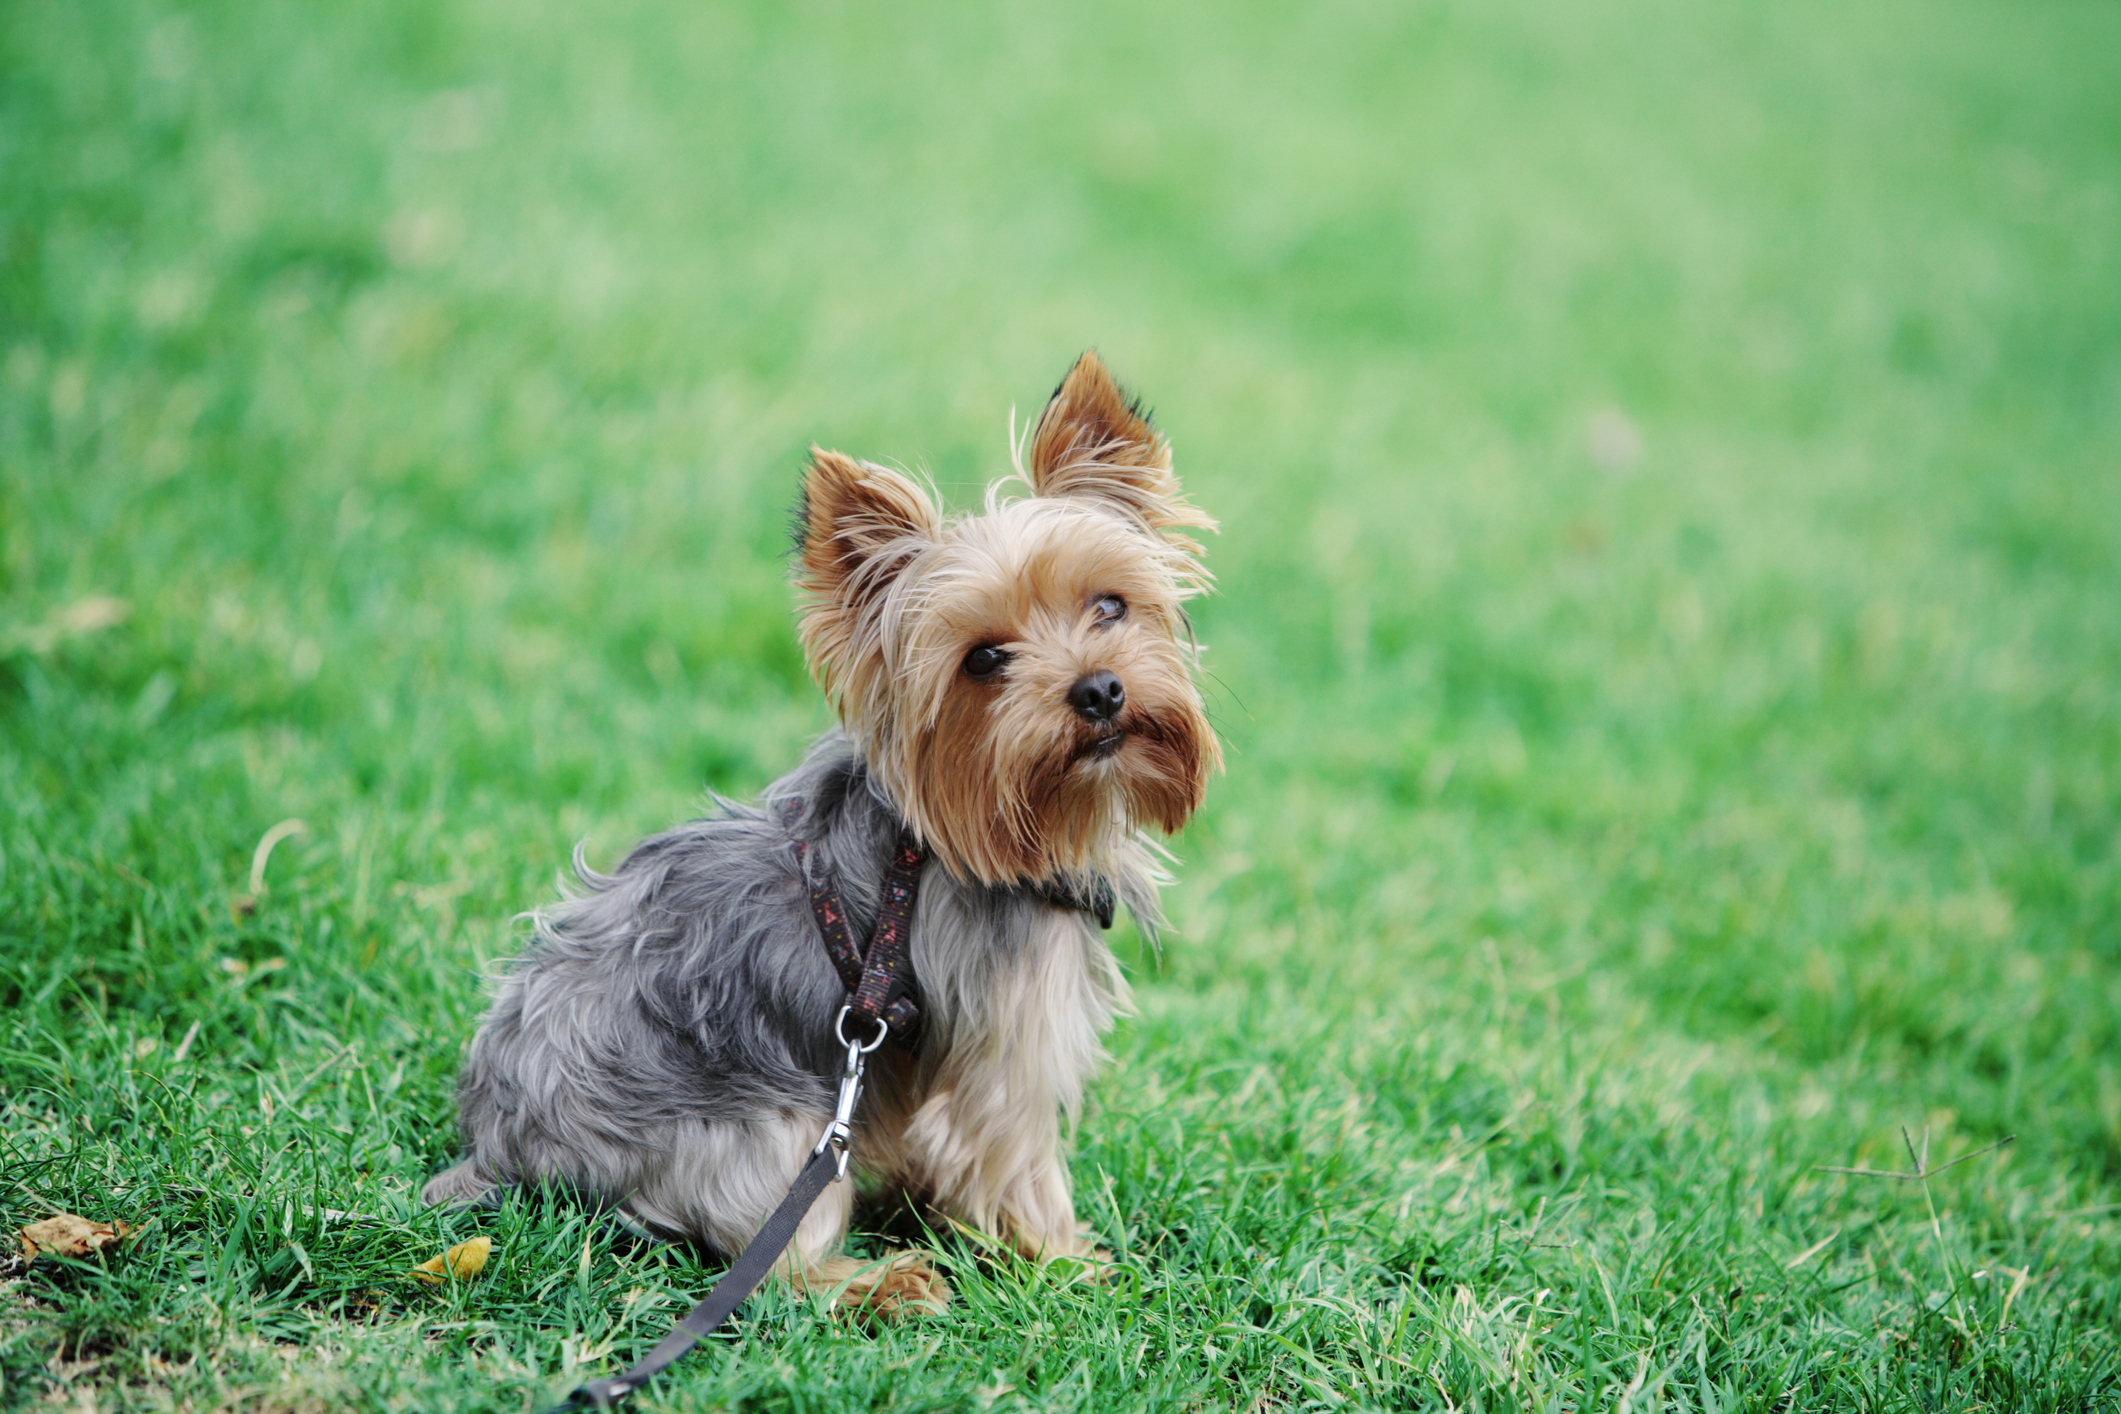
(879, 978)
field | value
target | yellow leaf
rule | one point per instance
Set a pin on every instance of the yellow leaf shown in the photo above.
(69, 1235)
(463, 1261)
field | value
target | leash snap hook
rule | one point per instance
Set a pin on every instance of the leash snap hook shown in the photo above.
(839, 1134)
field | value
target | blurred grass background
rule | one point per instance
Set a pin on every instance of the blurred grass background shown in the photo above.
(1668, 641)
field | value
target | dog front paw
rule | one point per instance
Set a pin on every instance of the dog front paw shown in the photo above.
(901, 1285)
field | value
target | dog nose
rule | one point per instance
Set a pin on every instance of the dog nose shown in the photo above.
(1098, 697)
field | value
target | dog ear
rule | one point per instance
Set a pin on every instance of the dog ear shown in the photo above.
(1095, 442)
(857, 527)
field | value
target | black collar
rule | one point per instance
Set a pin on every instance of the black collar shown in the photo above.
(1098, 902)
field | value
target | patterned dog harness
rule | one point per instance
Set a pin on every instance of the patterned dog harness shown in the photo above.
(879, 977)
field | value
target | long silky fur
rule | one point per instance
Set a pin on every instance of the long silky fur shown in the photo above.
(665, 1045)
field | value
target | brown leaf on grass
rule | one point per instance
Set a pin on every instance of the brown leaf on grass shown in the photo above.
(69, 1235)
(463, 1261)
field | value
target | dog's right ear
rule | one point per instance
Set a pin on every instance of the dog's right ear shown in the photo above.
(857, 527)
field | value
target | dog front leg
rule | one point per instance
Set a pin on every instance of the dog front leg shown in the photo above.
(720, 1182)
(984, 1146)
(991, 1160)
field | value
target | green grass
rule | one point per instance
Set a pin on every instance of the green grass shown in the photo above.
(1609, 840)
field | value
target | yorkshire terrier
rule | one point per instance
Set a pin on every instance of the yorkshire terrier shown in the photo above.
(1016, 690)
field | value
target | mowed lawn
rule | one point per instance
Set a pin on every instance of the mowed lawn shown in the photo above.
(1668, 646)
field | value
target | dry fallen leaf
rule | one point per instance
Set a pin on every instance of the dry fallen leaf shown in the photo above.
(69, 1235)
(465, 1260)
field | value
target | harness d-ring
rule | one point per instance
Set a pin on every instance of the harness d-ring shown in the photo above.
(839, 1029)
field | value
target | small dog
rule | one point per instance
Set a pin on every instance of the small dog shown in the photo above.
(1016, 688)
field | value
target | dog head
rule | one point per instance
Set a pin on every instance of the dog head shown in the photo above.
(1020, 681)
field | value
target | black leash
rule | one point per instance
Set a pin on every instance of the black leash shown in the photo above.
(880, 991)
(827, 1166)
(736, 1284)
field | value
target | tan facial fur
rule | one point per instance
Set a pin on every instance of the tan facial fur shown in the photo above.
(1000, 776)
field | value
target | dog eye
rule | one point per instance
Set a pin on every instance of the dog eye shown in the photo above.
(984, 661)
(1109, 609)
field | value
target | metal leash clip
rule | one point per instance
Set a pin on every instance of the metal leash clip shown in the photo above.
(840, 1133)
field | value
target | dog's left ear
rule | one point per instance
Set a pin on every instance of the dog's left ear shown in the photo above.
(1093, 441)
